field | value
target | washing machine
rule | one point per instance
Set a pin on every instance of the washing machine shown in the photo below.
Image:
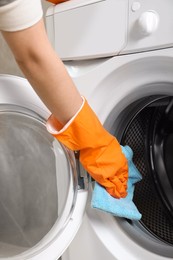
(120, 56)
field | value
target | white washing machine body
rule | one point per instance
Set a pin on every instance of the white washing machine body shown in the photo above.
(122, 81)
(120, 56)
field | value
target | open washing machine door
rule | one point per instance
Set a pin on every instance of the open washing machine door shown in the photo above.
(42, 201)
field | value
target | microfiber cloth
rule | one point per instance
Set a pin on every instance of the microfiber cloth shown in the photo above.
(123, 207)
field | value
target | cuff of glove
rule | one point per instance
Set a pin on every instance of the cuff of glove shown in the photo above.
(54, 127)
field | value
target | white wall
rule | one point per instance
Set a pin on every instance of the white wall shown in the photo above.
(7, 62)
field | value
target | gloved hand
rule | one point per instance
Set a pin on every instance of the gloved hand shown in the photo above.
(100, 152)
(57, 1)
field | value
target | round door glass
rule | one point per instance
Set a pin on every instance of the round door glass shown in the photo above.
(36, 180)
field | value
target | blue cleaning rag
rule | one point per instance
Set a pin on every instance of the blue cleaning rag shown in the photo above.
(123, 207)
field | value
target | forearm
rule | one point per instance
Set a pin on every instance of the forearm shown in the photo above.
(45, 71)
(100, 153)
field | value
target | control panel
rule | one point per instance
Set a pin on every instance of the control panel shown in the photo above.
(88, 29)
(150, 25)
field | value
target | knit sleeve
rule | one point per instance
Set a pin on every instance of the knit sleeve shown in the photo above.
(17, 15)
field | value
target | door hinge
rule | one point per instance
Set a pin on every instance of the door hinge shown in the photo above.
(83, 176)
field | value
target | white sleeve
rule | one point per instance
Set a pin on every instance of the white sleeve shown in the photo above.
(20, 14)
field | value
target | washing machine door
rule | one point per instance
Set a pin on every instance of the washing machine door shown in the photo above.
(41, 200)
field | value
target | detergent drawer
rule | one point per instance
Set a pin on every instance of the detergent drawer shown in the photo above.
(87, 29)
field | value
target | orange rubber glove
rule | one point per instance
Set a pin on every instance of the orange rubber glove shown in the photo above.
(100, 152)
(57, 1)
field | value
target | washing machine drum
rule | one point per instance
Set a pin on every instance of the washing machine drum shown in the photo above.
(150, 134)
(41, 206)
